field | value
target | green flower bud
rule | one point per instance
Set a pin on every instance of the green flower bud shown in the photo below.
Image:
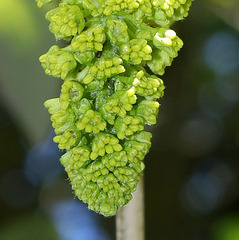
(119, 104)
(104, 68)
(125, 175)
(166, 12)
(148, 110)
(91, 121)
(167, 40)
(94, 7)
(146, 32)
(75, 158)
(146, 7)
(160, 61)
(71, 2)
(62, 120)
(53, 105)
(90, 40)
(41, 3)
(127, 126)
(81, 107)
(144, 11)
(66, 21)
(95, 184)
(71, 91)
(58, 62)
(104, 143)
(117, 31)
(68, 139)
(115, 160)
(84, 58)
(135, 51)
(94, 87)
(112, 6)
(100, 189)
(168, 44)
(150, 87)
(138, 146)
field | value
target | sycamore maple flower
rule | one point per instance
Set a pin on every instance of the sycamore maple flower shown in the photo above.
(116, 49)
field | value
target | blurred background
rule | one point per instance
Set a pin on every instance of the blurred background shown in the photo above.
(192, 170)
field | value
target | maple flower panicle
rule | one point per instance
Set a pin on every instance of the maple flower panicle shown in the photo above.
(115, 51)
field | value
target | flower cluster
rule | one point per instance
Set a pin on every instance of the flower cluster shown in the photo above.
(109, 92)
(66, 21)
(57, 62)
(135, 51)
(90, 40)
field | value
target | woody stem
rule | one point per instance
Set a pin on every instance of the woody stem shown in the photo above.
(130, 219)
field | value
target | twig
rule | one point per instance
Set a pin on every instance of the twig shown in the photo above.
(130, 219)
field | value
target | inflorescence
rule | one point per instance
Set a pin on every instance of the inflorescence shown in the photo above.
(116, 50)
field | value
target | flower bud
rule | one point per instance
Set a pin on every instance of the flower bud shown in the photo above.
(66, 21)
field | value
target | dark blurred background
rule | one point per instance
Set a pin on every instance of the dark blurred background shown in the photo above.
(192, 170)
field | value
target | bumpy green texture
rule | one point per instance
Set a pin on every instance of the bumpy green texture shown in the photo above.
(115, 51)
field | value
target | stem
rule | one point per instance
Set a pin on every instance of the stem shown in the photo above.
(130, 219)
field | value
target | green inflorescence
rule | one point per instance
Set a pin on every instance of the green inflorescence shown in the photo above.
(116, 49)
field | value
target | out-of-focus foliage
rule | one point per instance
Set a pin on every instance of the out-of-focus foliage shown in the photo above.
(227, 228)
(228, 10)
(23, 37)
(17, 23)
(29, 227)
(223, 3)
